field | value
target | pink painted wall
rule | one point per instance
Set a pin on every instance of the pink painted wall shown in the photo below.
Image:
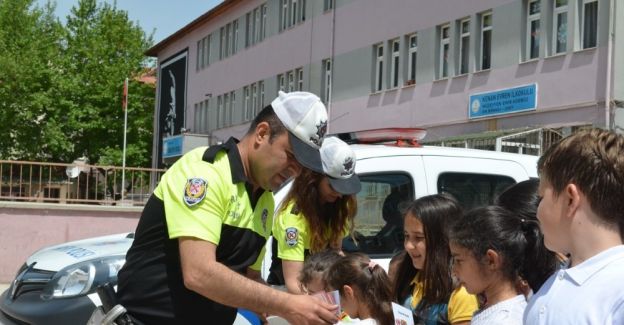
(575, 79)
(25, 228)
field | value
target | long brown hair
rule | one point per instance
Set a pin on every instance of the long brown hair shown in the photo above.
(327, 222)
(434, 212)
(371, 281)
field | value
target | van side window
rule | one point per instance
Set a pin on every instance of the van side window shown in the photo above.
(379, 220)
(473, 190)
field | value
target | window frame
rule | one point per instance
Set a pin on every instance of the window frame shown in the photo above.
(299, 79)
(260, 103)
(224, 113)
(219, 111)
(196, 115)
(327, 80)
(206, 58)
(445, 50)
(290, 79)
(228, 39)
(293, 12)
(246, 104)
(222, 43)
(328, 5)
(379, 63)
(412, 57)
(583, 32)
(230, 114)
(254, 96)
(395, 58)
(377, 188)
(557, 13)
(468, 179)
(464, 50)
(263, 21)
(200, 55)
(234, 37)
(485, 30)
(284, 15)
(281, 82)
(530, 41)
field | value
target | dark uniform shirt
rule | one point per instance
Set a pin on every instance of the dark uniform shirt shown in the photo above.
(204, 195)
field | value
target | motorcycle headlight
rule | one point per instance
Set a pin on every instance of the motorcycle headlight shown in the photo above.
(83, 278)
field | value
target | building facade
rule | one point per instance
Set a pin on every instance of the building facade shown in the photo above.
(457, 68)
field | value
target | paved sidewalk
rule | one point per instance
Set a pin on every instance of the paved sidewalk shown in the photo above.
(4, 286)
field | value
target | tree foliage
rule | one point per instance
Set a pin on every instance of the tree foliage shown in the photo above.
(61, 84)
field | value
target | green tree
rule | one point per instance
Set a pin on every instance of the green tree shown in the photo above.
(61, 86)
(103, 47)
(29, 72)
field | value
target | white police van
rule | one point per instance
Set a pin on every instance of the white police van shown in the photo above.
(57, 284)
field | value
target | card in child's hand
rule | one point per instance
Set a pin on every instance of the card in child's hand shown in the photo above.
(332, 298)
(402, 315)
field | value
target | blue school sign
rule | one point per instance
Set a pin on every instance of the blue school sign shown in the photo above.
(511, 100)
(172, 146)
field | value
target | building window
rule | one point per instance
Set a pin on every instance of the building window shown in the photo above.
(197, 116)
(257, 25)
(230, 114)
(291, 81)
(225, 110)
(379, 53)
(200, 54)
(327, 80)
(533, 29)
(246, 104)
(263, 21)
(222, 43)
(303, 10)
(219, 111)
(589, 23)
(206, 57)
(248, 29)
(200, 124)
(205, 117)
(293, 12)
(394, 63)
(486, 41)
(255, 29)
(464, 46)
(328, 5)
(281, 82)
(260, 97)
(228, 39)
(234, 37)
(445, 43)
(299, 76)
(560, 26)
(412, 55)
(284, 15)
(254, 98)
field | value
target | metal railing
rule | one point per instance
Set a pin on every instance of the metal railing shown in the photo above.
(75, 183)
(527, 141)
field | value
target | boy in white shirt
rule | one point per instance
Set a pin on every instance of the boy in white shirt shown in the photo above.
(582, 214)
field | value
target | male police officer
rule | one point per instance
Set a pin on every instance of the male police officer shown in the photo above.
(200, 241)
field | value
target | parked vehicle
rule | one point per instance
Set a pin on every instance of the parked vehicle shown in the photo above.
(57, 284)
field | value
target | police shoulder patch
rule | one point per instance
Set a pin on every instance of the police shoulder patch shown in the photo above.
(194, 191)
(291, 236)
